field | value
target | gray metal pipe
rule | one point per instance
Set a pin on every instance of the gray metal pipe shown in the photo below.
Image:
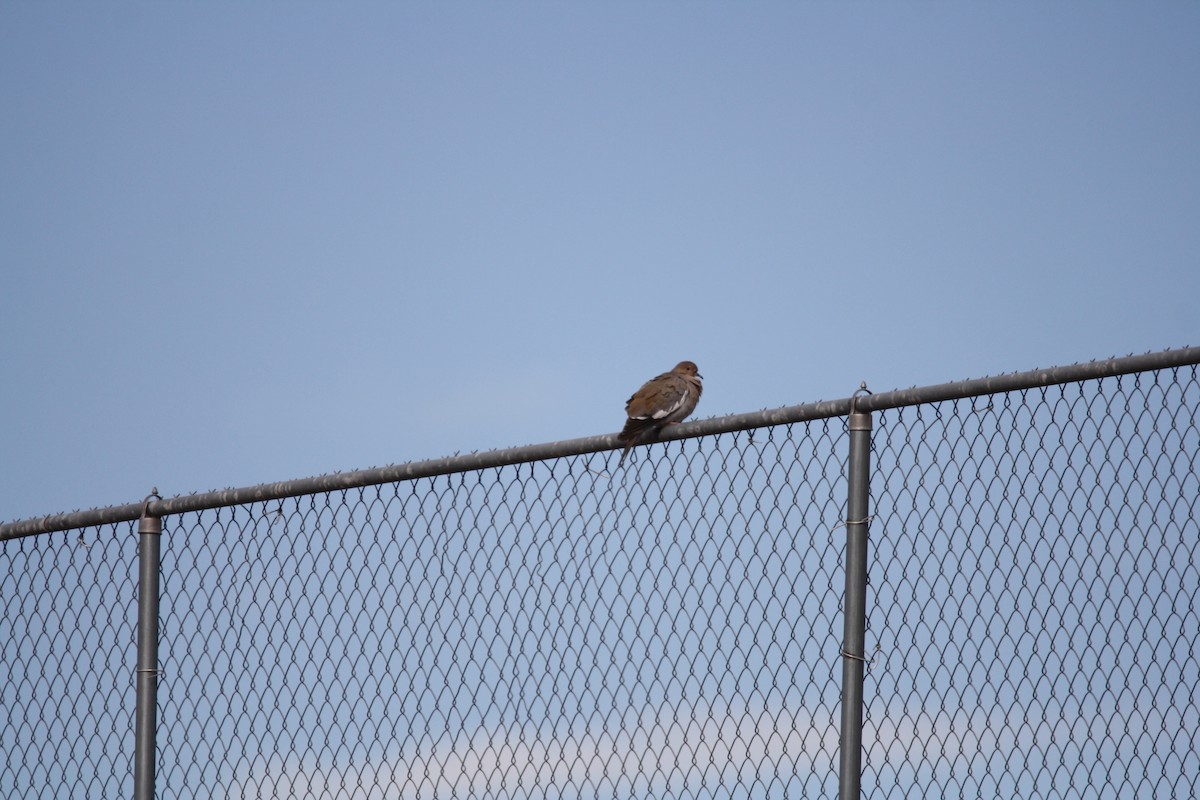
(594, 444)
(855, 605)
(1032, 379)
(145, 732)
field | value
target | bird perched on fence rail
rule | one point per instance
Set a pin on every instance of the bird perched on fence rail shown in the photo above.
(663, 400)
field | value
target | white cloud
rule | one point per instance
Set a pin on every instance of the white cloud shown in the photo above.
(668, 752)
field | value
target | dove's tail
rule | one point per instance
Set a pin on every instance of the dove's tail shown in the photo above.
(637, 431)
(625, 452)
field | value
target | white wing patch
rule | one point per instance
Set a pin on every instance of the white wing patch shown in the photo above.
(666, 412)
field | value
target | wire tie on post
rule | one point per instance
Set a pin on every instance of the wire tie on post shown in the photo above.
(847, 654)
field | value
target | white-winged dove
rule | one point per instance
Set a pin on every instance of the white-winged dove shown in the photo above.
(664, 400)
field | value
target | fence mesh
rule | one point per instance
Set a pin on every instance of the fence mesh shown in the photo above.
(68, 630)
(552, 629)
(1035, 586)
(668, 630)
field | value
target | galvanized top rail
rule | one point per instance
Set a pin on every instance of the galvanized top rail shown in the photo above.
(1165, 359)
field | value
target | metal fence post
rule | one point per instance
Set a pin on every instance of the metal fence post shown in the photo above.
(855, 606)
(145, 749)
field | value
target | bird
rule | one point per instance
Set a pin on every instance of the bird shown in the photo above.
(666, 399)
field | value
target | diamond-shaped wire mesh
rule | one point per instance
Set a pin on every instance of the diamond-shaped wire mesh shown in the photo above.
(552, 629)
(666, 630)
(1034, 593)
(68, 632)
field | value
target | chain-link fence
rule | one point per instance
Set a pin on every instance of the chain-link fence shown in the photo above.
(67, 630)
(672, 629)
(1036, 593)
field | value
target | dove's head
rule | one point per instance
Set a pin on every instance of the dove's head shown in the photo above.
(687, 368)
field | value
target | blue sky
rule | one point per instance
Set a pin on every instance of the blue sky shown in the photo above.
(251, 242)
